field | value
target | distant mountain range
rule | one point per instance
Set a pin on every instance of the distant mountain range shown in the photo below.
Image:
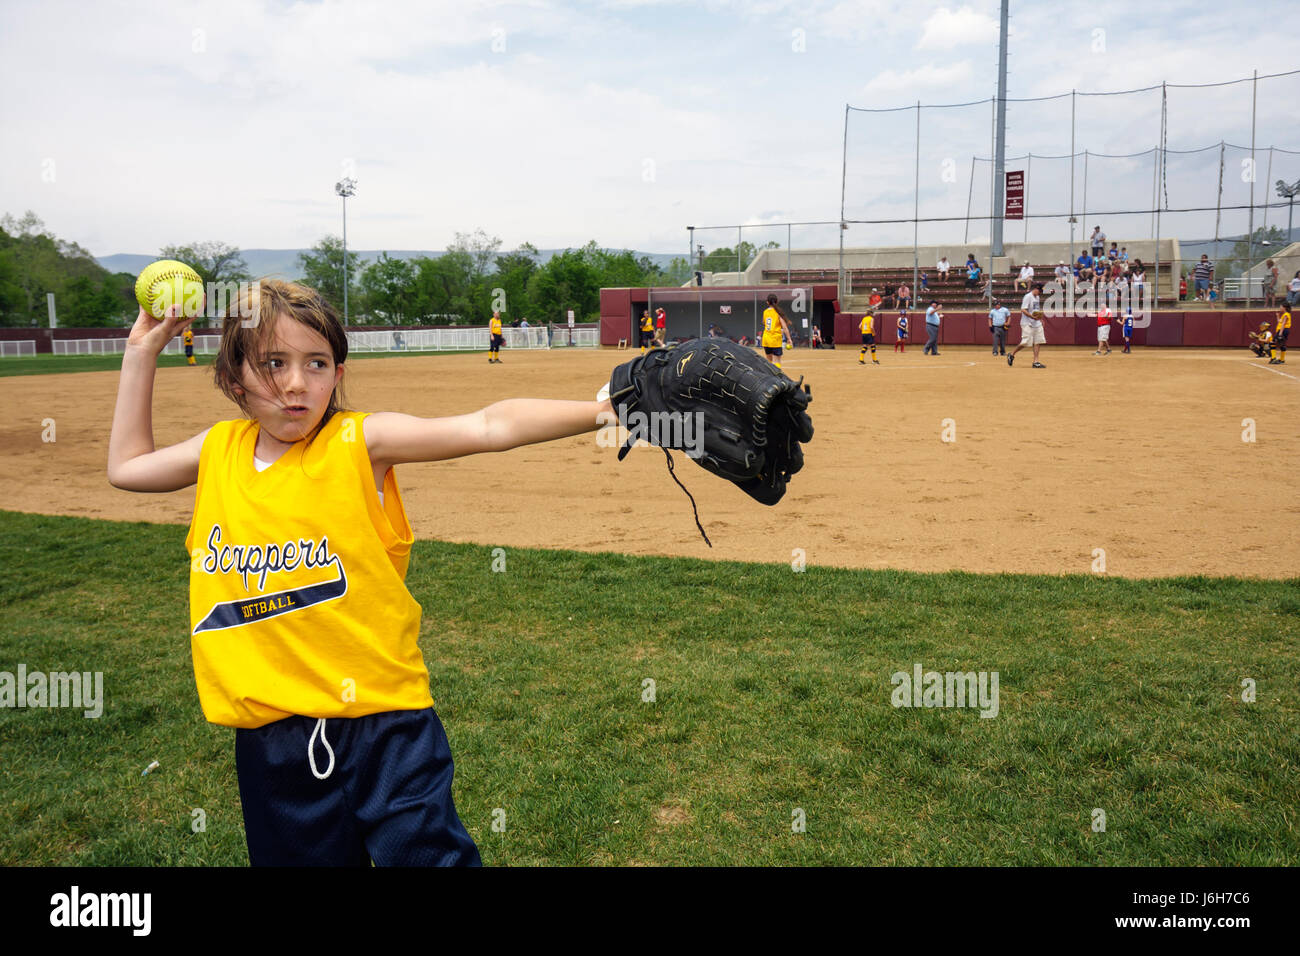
(284, 262)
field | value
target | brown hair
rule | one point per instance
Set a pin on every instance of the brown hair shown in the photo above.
(248, 331)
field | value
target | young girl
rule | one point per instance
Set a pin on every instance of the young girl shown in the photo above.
(901, 344)
(302, 630)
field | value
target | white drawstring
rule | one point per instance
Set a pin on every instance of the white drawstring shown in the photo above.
(311, 747)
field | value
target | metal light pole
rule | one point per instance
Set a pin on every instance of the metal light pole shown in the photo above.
(1288, 192)
(345, 187)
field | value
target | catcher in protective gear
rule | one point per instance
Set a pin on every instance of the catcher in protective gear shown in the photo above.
(730, 410)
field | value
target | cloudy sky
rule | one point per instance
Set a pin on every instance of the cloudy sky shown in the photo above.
(128, 126)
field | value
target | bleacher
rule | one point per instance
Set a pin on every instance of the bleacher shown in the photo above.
(951, 292)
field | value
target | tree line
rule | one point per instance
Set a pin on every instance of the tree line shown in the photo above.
(463, 286)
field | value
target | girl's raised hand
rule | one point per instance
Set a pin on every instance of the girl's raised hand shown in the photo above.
(152, 335)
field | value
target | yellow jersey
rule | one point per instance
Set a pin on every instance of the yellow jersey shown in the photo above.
(1283, 322)
(772, 335)
(647, 324)
(868, 324)
(188, 337)
(494, 326)
(298, 601)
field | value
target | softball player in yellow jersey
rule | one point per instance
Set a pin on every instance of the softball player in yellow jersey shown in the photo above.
(302, 630)
(1280, 336)
(775, 331)
(647, 330)
(495, 339)
(188, 340)
(868, 326)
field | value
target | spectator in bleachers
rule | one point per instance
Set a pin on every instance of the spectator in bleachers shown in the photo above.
(1203, 274)
(925, 283)
(1063, 275)
(1182, 288)
(904, 296)
(973, 272)
(1098, 242)
(1112, 253)
(1123, 255)
(1270, 283)
(1137, 277)
(875, 300)
(1025, 278)
(942, 267)
(1085, 263)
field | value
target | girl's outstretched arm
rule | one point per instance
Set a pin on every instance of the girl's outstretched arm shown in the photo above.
(133, 464)
(393, 438)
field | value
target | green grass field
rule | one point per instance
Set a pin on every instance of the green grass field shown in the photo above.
(51, 364)
(772, 694)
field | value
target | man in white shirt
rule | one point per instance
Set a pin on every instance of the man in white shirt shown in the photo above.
(1026, 278)
(942, 267)
(1031, 326)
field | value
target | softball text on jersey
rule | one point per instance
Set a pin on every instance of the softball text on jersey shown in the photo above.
(298, 603)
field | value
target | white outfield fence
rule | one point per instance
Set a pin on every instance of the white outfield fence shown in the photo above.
(470, 340)
(18, 348)
(390, 340)
(203, 345)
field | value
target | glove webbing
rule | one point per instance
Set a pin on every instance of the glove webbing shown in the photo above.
(688, 495)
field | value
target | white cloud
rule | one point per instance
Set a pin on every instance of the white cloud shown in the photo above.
(953, 77)
(946, 29)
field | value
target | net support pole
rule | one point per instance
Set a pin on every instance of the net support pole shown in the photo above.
(1250, 227)
(1163, 131)
(916, 198)
(1155, 186)
(993, 170)
(1000, 132)
(739, 231)
(1218, 205)
(788, 228)
(844, 171)
(1069, 253)
(970, 194)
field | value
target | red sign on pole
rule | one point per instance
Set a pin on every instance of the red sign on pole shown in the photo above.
(1015, 194)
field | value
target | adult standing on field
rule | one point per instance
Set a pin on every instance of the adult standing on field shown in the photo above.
(998, 326)
(1031, 326)
(933, 319)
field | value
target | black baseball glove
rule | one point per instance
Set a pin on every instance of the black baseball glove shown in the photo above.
(731, 411)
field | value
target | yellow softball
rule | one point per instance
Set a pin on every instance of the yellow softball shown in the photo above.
(167, 282)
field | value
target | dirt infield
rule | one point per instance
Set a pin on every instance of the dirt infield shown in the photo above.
(1140, 455)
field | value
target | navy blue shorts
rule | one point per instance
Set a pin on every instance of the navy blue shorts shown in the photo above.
(386, 795)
